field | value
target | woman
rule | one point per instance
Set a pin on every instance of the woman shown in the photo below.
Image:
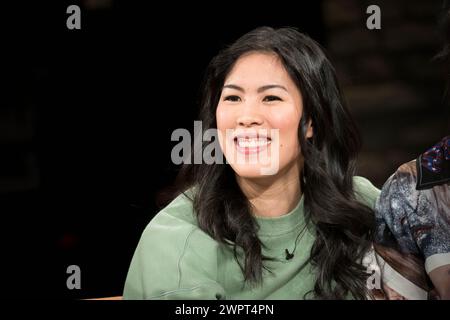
(300, 231)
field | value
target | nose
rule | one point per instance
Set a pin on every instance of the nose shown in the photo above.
(250, 116)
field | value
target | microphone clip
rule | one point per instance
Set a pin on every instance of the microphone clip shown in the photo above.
(289, 255)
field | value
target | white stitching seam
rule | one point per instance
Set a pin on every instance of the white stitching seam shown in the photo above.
(182, 255)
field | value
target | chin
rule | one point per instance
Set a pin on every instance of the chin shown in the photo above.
(253, 171)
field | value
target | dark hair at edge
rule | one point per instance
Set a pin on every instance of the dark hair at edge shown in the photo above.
(343, 226)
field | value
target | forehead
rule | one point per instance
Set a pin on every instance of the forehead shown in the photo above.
(259, 68)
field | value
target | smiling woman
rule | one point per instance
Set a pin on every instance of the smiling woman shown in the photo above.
(237, 233)
(259, 96)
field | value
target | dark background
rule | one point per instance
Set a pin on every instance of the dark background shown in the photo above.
(86, 116)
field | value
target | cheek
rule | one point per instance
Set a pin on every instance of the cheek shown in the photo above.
(288, 124)
(224, 118)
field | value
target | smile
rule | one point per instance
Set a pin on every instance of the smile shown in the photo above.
(251, 144)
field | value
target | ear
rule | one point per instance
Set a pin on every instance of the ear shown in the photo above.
(309, 131)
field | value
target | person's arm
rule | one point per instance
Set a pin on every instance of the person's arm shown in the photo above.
(401, 276)
(415, 222)
(441, 281)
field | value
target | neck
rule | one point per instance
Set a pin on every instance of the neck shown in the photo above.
(273, 196)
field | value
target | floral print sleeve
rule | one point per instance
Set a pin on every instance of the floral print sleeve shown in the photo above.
(413, 216)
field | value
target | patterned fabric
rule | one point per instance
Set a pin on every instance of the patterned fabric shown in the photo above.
(433, 166)
(418, 221)
(433, 158)
(413, 216)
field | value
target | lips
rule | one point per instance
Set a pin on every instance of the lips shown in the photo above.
(251, 142)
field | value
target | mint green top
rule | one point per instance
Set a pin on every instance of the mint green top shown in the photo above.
(176, 260)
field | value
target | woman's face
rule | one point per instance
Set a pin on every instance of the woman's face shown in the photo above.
(258, 116)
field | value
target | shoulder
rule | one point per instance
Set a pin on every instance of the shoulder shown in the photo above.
(178, 212)
(399, 193)
(173, 256)
(398, 197)
(365, 191)
(175, 224)
(403, 181)
(170, 227)
(416, 219)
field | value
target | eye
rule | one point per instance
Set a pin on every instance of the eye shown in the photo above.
(232, 98)
(272, 98)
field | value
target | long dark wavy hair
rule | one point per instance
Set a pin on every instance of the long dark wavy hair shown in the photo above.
(343, 226)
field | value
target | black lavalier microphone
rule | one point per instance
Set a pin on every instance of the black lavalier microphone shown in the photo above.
(289, 255)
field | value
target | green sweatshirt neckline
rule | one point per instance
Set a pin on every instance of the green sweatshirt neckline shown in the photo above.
(273, 226)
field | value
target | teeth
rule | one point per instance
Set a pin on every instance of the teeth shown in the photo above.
(252, 142)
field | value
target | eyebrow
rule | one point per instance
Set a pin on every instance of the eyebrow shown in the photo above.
(260, 89)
